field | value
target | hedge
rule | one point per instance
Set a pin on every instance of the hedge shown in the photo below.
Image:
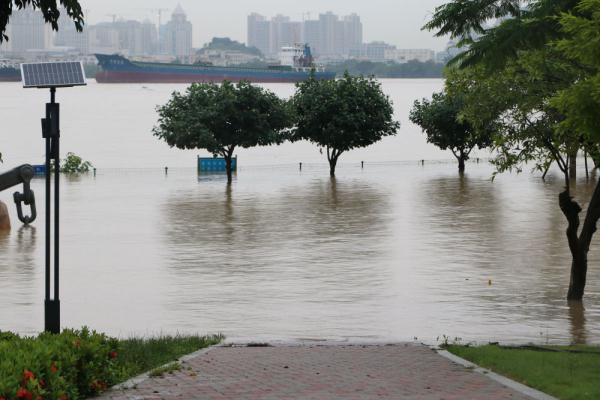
(72, 365)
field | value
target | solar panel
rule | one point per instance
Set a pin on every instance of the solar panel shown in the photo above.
(52, 74)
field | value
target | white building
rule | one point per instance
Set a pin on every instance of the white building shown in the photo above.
(402, 56)
(68, 36)
(28, 31)
(328, 36)
(104, 38)
(177, 35)
(259, 33)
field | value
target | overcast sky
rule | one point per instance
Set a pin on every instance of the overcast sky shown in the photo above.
(397, 22)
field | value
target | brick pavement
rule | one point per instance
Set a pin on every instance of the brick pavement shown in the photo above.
(403, 371)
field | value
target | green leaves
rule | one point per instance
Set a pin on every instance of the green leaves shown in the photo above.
(462, 18)
(219, 118)
(49, 8)
(73, 164)
(342, 114)
(580, 102)
(72, 365)
(440, 120)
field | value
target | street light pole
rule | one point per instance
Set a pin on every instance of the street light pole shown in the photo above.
(51, 133)
(51, 75)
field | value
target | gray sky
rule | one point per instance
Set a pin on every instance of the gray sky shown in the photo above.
(397, 22)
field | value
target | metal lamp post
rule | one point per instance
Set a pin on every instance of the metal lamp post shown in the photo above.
(52, 76)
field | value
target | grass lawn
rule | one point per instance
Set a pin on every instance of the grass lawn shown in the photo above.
(142, 355)
(566, 372)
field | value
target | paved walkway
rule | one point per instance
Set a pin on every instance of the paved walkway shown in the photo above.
(319, 373)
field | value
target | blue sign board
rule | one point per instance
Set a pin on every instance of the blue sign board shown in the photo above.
(213, 164)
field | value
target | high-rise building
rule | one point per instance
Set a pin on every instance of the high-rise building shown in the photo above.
(177, 35)
(28, 31)
(328, 31)
(259, 32)
(352, 32)
(149, 43)
(312, 35)
(68, 36)
(104, 38)
(328, 36)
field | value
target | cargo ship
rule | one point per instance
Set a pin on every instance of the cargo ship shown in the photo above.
(9, 73)
(118, 69)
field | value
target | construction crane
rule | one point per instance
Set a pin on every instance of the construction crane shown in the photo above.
(114, 17)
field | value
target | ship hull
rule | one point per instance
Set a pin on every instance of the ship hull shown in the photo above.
(143, 77)
(117, 69)
(10, 75)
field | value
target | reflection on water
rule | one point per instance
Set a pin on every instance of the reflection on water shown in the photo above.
(577, 320)
(390, 252)
(300, 256)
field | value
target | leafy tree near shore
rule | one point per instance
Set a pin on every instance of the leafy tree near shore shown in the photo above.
(221, 118)
(532, 74)
(49, 8)
(341, 115)
(440, 120)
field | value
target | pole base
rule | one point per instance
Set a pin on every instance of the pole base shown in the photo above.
(52, 316)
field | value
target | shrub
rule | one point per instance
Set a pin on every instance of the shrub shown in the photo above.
(73, 365)
(73, 164)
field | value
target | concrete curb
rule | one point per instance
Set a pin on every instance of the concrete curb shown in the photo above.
(519, 387)
(133, 382)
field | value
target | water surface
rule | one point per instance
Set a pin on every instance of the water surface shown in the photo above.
(392, 252)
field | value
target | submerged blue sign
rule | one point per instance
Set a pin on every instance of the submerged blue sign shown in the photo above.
(214, 164)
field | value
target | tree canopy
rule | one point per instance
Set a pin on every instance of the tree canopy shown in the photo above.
(341, 115)
(441, 121)
(533, 70)
(49, 8)
(221, 118)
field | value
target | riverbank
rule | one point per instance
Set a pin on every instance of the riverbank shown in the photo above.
(567, 372)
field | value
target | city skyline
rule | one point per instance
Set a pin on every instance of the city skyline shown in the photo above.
(228, 18)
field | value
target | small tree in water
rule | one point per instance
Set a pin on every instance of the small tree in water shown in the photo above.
(341, 115)
(439, 119)
(221, 118)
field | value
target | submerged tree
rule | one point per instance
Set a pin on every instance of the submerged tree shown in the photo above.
(50, 10)
(440, 120)
(221, 118)
(539, 93)
(341, 115)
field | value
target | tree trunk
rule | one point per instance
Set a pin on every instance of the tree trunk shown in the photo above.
(579, 244)
(332, 164)
(228, 168)
(228, 155)
(573, 166)
(332, 157)
(461, 163)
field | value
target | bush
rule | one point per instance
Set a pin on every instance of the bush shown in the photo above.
(72, 365)
(73, 164)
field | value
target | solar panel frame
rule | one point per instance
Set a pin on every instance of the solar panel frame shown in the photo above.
(52, 74)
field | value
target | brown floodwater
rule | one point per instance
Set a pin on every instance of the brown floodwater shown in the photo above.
(396, 251)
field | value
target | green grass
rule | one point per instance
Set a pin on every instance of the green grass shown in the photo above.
(573, 373)
(142, 355)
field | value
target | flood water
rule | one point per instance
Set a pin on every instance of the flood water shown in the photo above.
(391, 252)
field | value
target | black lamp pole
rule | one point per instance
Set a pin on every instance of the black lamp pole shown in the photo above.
(51, 132)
